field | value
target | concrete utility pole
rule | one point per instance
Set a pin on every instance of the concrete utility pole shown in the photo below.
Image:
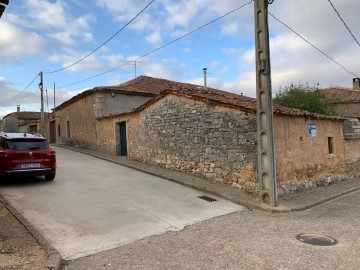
(265, 126)
(41, 87)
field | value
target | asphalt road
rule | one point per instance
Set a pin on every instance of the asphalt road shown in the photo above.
(247, 240)
(95, 205)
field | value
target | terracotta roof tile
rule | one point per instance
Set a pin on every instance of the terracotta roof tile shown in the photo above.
(212, 95)
(343, 95)
(29, 115)
(149, 86)
(25, 115)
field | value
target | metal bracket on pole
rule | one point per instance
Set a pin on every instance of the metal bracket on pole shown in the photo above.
(265, 129)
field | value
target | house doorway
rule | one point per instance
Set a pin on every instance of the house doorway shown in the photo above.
(52, 132)
(121, 139)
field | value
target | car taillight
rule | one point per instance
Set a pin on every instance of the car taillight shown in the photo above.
(50, 152)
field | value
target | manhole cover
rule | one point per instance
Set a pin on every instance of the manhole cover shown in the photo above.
(207, 198)
(316, 239)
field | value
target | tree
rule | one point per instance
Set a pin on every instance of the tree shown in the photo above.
(305, 97)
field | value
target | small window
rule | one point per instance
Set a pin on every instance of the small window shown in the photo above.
(59, 133)
(312, 130)
(68, 129)
(331, 145)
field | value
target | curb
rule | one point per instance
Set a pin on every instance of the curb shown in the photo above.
(54, 260)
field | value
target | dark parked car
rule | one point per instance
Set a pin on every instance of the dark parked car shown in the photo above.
(26, 154)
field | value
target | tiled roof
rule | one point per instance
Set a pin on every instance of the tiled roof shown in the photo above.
(343, 95)
(158, 88)
(25, 115)
(215, 96)
(29, 115)
(141, 86)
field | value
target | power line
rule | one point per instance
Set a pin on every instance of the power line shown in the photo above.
(292, 30)
(161, 47)
(344, 22)
(23, 90)
(78, 61)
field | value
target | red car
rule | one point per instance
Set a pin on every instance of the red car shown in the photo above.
(26, 154)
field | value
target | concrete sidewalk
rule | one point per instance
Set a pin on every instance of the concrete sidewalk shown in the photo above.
(294, 202)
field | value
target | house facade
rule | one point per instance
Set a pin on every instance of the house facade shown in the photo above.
(214, 135)
(21, 121)
(75, 121)
(346, 100)
(210, 133)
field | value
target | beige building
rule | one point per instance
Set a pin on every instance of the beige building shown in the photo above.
(75, 121)
(213, 134)
(21, 121)
(209, 132)
(347, 100)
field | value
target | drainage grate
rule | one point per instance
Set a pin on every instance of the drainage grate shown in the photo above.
(316, 239)
(206, 198)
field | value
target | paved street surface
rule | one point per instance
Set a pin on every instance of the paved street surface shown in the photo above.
(95, 205)
(246, 240)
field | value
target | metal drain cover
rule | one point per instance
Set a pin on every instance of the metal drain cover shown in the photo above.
(207, 198)
(316, 239)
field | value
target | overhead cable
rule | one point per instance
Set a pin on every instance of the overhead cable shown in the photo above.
(122, 28)
(292, 30)
(344, 22)
(22, 91)
(161, 47)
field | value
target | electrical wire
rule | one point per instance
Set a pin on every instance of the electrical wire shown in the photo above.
(78, 61)
(161, 47)
(344, 22)
(22, 91)
(323, 53)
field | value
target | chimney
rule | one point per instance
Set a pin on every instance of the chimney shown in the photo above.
(204, 69)
(356, 83)
(17, 108)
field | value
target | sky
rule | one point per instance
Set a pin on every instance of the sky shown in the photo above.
(127, 38)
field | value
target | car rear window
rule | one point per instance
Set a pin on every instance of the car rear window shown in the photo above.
(26, 145)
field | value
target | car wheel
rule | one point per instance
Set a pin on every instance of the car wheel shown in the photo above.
(50, 176)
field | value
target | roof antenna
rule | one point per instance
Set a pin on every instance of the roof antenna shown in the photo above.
(204, 69)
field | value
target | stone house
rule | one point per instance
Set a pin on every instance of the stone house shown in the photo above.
(346, 100)
(213, 134)
(75, 121)
(210, 133)
(21, 121)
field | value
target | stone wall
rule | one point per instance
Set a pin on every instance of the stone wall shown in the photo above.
(352, 149)
(348, 109)
(108, 139)
(196, 137)
(351, 126)
(219, 143)
(81, 121)
(82, 117)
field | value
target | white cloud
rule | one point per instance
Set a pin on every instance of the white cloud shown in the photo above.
(168, 69)
(115, 60)
(12, 44)
(230, 29)
(154, 38)
(91, 63)
(55, 20)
